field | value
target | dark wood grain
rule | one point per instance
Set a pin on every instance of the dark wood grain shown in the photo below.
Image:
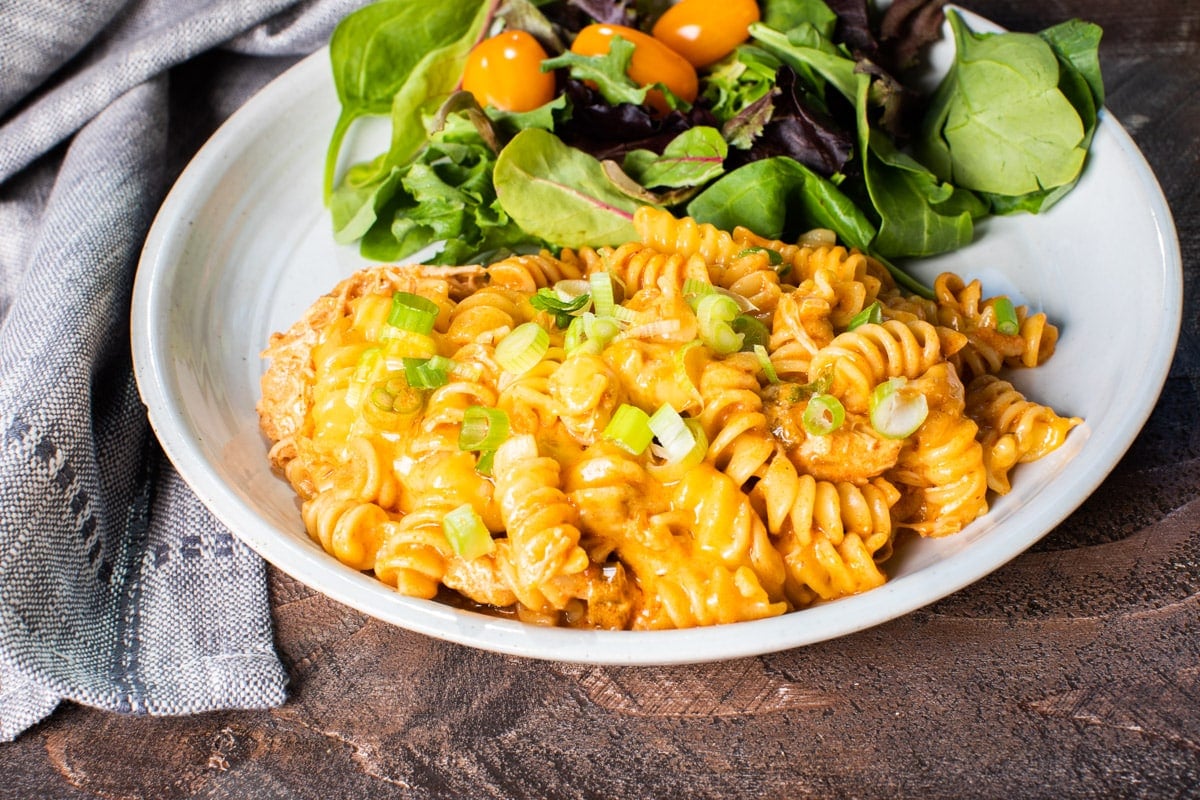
(1074, 671)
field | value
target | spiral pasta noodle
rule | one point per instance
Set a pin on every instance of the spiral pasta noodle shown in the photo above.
(748, 427)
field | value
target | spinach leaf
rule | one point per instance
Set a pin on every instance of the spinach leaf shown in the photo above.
(781, 198)
(783, 15)
(998, 122)
(393, 48)
(919, 215)
(805, 50)
(1075, 44)
(559, 194)
(692, 158)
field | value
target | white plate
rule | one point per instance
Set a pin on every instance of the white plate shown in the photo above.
(242, 246)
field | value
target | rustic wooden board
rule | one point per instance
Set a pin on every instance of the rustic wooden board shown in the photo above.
(1072, 672)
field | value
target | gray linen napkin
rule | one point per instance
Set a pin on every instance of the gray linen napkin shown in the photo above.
(117, 588)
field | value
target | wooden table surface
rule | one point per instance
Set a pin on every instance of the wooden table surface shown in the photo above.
(1074, 671)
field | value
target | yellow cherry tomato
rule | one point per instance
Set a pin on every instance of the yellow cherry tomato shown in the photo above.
(652, 61)
(505, 72)
(705, 31)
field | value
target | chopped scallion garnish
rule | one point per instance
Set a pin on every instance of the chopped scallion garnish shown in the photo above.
(602, 293)
(364, 371)
(694, 289)
(1006, 317)
(754, 333)
(522, 348)
(602, 329)
(672, 432)
(466, 533)
(823, 415)
(630, 428)
(872, 314)
(683, 375)
(894, 413)
(714, 314)
(773, 256)
(549, 300)
(764, 361)
(484, 465)
(397, 396)
(429, 373)
(483, 429)
(411, 312)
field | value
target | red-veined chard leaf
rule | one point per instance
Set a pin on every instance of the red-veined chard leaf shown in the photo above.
(559, 194)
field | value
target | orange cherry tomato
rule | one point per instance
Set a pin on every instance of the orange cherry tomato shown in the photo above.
(505, 72)
(705, 31)
(652, 61)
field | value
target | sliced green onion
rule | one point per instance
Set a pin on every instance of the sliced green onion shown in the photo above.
(570, 288)
(672, 433)
(576, 337)
(754, 333)
(1006, 317)
(368, 362)
(590, 333)
(602, 293)
(895, 414)
(714, 315)
(549, 300)
(400, 344)
(872, 314)
(823, 415)
(364, 371)
(625, 316)
(682, 375)
(630, 428)
(602, 329)
(764, 361)
(773, 256)
(522, 348)
(411, 312)
(484, 465)
(429, 373)
(397, 396)
(483, 429)
(466, 533)
(695, 289)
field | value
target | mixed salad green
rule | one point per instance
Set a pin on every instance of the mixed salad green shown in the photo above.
(813, 121)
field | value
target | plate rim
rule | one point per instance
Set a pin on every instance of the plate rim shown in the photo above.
(510, 637)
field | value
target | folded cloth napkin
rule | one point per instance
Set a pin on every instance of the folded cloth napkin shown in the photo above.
(117, 588)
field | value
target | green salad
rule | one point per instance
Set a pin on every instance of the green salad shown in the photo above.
(810, 117)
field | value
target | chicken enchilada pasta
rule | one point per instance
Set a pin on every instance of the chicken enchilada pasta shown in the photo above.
(693, 428)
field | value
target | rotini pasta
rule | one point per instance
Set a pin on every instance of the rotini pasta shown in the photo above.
(745, 429)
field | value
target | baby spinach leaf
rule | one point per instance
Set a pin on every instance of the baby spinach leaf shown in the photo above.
(1075, 44)
(692, 158)
(559, 194)
(1078, 43)
(919, 215)
(998, 122)
(780, 197)
(806, 51)
(783, 15)
(354, 206)
(393, 48)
